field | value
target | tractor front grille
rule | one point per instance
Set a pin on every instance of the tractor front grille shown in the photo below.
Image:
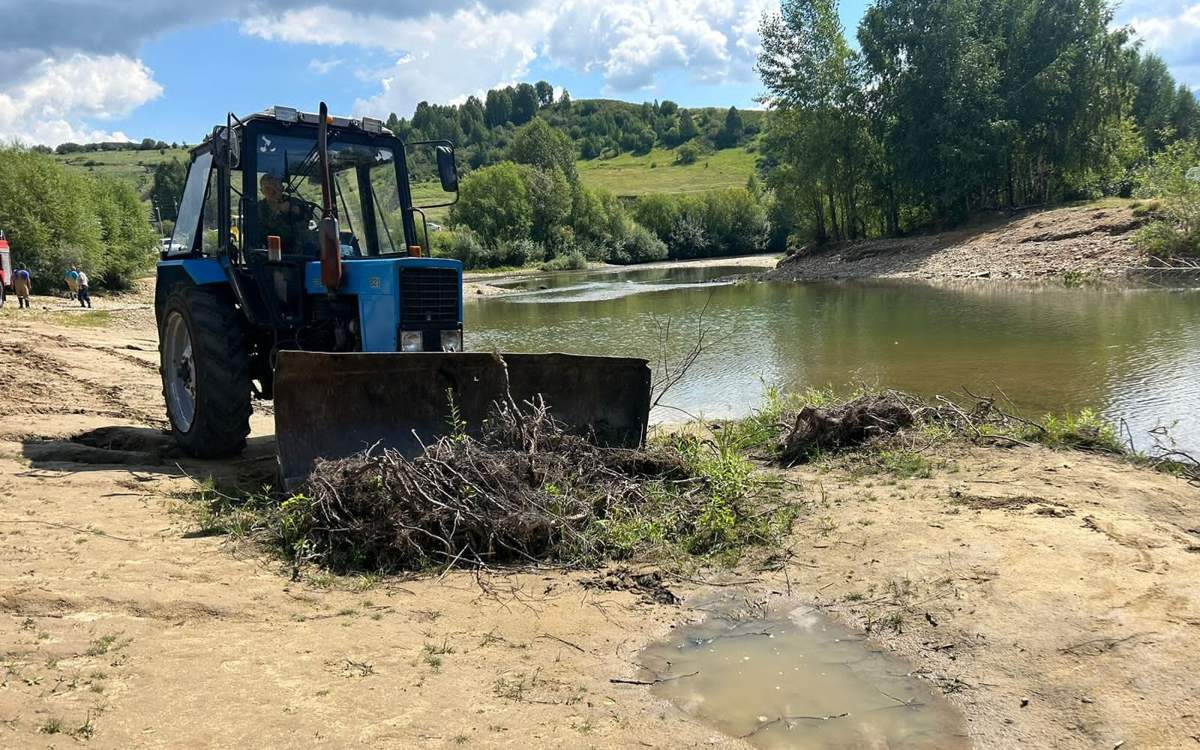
(429, 297)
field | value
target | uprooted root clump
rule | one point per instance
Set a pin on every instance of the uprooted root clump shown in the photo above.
(815, 430)
(525, 490)
(893, 418)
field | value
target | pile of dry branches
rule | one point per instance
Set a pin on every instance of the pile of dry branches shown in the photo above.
(525, 490)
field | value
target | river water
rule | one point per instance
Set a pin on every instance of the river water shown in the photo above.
(1131, 354)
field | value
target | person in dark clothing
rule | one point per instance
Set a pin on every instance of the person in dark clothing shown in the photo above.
(22, 287)
(85, 299)
(286, 216)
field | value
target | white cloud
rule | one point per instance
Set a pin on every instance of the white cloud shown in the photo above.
(323, 67)
(446, 55)
(58, 97)
(630, 43)
(1170, 29)
(69, 63)
(441, 57)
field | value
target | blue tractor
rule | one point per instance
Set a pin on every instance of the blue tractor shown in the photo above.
(296, 273)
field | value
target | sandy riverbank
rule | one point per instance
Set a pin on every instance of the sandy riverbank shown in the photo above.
(1052, 596)
(1084, 242)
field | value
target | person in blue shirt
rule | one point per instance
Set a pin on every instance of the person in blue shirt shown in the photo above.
(72, 279)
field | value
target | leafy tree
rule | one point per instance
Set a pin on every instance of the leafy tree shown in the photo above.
(549, 200)
(55, 217)
(1154, 100)
(494, 203)
(688, 153)
(524, 104)
(167, 186)
(498, 107)
(545, 93)
(544, 147)
(731, 131)
(687, 126)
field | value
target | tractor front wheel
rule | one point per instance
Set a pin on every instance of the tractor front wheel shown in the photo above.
(205, 372)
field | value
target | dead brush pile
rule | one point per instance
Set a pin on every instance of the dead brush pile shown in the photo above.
(525, 490)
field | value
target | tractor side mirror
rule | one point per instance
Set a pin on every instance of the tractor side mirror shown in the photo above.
(447, 170)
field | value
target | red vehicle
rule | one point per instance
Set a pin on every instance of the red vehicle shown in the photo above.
(6, 270)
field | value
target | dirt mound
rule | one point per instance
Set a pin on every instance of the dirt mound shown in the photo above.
(117, 445)
(648, 585)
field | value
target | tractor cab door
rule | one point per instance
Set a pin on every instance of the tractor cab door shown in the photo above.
(186, 238)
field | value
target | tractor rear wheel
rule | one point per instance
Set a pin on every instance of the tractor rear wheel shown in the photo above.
(205, 372)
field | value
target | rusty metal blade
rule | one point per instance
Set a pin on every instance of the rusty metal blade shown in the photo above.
(335, 405)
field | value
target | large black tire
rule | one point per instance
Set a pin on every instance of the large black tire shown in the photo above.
(212, 375)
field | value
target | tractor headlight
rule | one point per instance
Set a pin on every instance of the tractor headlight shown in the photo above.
(452, 341)
(411, 341)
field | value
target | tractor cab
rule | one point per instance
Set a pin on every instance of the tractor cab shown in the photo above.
(251, 219)
(261, 177)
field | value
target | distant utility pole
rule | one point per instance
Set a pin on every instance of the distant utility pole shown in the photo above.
(158, 216)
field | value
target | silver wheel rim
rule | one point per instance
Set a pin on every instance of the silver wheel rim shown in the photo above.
(179, 372)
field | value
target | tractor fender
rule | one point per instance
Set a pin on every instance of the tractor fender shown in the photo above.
(193, 271)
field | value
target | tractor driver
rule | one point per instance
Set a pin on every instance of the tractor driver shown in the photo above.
(286, 216)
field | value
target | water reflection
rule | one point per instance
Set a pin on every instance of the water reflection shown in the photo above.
(1131, 353)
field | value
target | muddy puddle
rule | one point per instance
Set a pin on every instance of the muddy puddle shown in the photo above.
(790, 678)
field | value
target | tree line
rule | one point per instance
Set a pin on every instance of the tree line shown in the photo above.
(531, 207)
(951, 107)
(146, 144)
(55, 217)
(483, 129)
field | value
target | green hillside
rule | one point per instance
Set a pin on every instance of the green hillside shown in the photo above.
(658, 172)
(133, 166)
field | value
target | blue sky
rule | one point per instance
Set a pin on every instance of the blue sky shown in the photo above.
(84, 70)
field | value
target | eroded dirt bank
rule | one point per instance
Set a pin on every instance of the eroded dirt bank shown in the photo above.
(1052, 596)
(1084, 241)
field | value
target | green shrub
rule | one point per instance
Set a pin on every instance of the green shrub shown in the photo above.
(688, 153)
(1083, 431)
(519, 252)
(494, 203)
(462, 245)
(638, 246)
(55, 218)
(658, 212)
(1176, 230)
(573, 260)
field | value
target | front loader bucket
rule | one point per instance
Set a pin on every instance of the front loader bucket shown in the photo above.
(336, 405)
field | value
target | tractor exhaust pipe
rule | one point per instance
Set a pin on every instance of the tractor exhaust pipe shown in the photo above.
(329, 234)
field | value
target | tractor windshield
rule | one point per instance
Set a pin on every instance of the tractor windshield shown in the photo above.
(364, 187)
